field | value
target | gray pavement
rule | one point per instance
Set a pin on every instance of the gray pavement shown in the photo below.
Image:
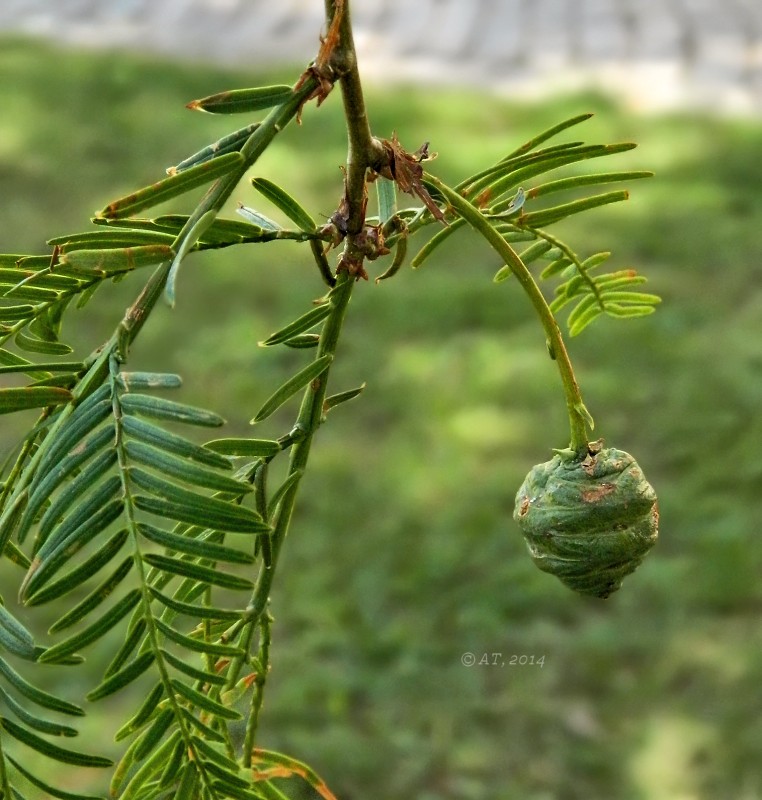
(652, 54)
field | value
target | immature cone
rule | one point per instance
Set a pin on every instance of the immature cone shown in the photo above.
(590, 522)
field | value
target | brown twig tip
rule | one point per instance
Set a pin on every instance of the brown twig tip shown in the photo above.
(329, 64)
(332, 37)
(353, 265)
(406, 171)
(324, 77)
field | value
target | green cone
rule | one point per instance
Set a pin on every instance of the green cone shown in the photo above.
(590, 522)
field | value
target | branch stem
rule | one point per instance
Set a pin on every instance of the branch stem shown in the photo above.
(362, 153)
(574, 405)
(308, 420)
(363, 150)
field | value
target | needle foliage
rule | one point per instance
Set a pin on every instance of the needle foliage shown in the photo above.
(176, 534)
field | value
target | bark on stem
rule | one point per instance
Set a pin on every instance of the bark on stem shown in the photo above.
(363, 150)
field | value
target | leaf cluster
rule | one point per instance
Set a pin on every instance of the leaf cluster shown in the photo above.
(498, 192)
(124, 521)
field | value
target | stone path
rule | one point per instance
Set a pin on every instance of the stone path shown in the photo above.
(653, 54)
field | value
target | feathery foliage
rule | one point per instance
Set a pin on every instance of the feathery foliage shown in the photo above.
(161, 550)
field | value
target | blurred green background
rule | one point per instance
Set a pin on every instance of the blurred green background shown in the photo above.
(403, 555)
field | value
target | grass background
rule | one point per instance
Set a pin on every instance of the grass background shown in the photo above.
(403, 554)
